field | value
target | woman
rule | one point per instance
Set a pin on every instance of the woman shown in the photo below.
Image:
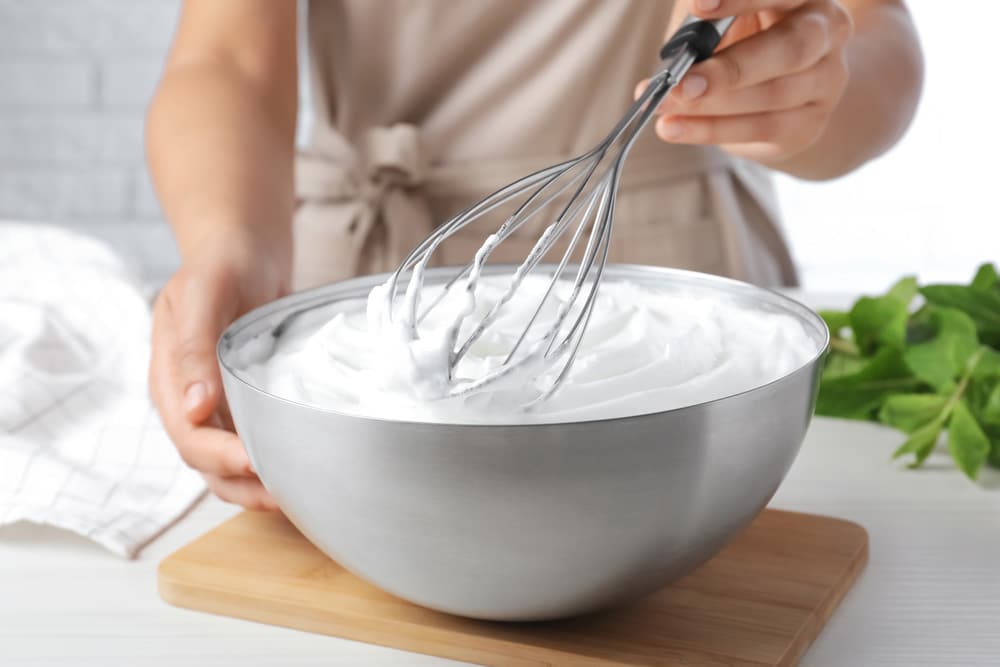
(422, 106)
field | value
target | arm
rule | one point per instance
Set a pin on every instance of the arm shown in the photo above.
(221, 127)
(220, 145)
(814, 88)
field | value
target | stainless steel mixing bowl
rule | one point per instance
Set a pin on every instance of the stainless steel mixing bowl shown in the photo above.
(523, 522)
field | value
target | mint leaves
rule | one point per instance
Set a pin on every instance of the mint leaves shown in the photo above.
(926, 361)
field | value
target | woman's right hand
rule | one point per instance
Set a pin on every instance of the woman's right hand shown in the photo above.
(226, 277)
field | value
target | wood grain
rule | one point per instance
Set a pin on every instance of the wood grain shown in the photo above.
(760, 602)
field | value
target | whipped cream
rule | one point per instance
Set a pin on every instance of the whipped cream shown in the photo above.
(643, 351)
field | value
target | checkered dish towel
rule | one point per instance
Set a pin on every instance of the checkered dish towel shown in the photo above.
(80, 445)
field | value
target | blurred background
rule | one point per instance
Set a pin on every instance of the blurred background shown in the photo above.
(75, 76)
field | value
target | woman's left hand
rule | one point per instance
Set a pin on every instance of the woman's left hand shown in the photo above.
(768, 93)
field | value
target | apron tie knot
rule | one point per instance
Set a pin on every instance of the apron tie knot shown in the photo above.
(363, 210)
(394, 156)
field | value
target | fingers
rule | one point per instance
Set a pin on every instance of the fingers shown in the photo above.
(794, 44)
(199, 438)
(769, 95)
(788, 92)
(245, 491)
(203, 446)
(189, 315)
(211, 450)
(805, 45)
(199, 316)
(776, 129)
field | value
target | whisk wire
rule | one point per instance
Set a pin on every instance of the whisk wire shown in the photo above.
(541, 247)
(564, 260)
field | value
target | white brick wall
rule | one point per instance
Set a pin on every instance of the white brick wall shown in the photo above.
(23, 84)
(60, 194)
(75, 77)
(128, 84)
(94, 27)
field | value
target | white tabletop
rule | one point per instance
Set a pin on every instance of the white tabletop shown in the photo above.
(930, 594)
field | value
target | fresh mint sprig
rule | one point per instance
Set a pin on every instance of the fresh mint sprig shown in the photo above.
(924, 360)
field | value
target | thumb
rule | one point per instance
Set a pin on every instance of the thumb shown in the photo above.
(203, 313)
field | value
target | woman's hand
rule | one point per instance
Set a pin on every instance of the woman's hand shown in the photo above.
(770, 90)
(227, 277)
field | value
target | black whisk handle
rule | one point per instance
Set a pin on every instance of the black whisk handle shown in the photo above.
(699, 35)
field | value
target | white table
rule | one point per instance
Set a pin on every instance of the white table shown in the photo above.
(930, 595)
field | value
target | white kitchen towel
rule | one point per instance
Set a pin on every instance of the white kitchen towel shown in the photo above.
(80, 444)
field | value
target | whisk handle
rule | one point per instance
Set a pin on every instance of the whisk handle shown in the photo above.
(699, 35)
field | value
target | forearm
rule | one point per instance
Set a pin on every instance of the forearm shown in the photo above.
(886, 74)
(220, 161)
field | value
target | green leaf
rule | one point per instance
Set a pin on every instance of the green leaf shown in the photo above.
(967, 443)
(988, 366)
(839, 364)
(909, 412)
(879, 321)
(986, 277)
(836, 320)
(939, 360)
(921, 326)
(983, 399)
(979, 395)
(990, 410)
(859, 394)
(904, 290)
(888, 362)
(921, 443)
(982, 305)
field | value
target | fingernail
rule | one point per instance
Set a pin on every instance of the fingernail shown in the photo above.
(672, 130)
(707, 5)
(694, 85)
(195, 396)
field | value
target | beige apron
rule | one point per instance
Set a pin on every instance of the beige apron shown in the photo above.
(422, 107)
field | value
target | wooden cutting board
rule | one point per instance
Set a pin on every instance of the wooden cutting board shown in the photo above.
(760, 602)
